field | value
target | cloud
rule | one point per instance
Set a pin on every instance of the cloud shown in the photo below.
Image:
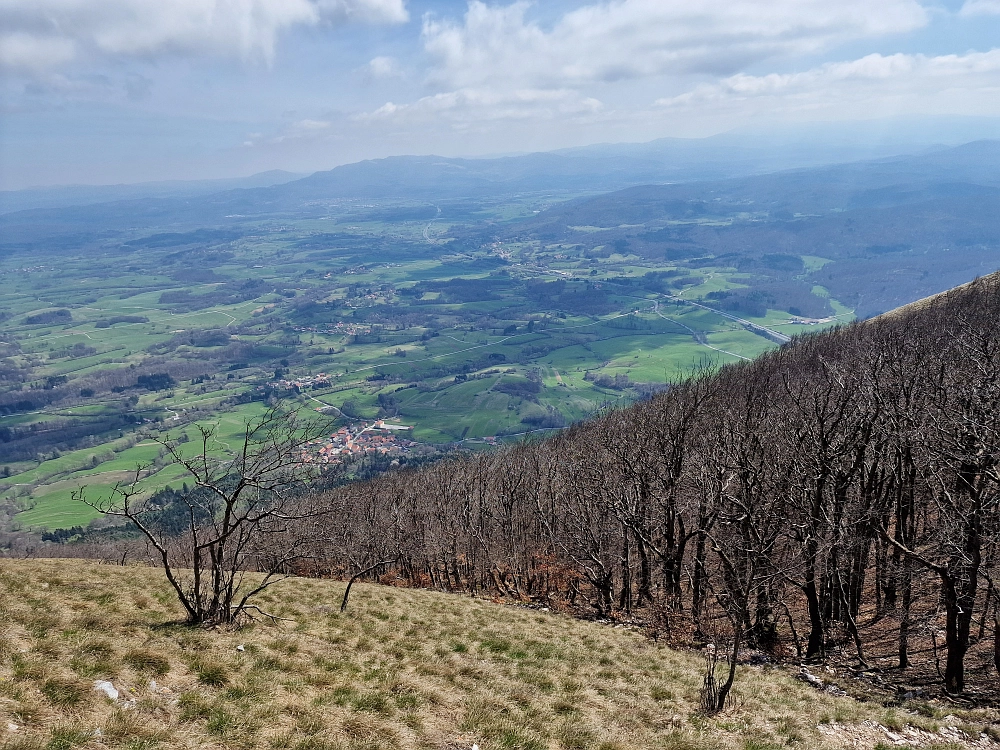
(366, 11)
(382, 67)
(310, 126)
(980, 8)
(496, 64)
(42, 35)
(872, 85)
(468, 106)
(296, 130)
(20, 51)
(623, 39)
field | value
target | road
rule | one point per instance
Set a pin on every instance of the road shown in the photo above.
(694, 334)
(427, 229)
(748, 324)
(324, 404)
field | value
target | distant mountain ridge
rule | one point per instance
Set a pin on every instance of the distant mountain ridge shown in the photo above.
(595, 168)
(64, 196)
(933, 212)
(956, 172)
(888, 231)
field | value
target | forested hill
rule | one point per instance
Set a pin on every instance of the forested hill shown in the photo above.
(837, 499)
(884, 232)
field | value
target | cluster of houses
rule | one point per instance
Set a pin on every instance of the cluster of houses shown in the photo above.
(365, 300)
(498, 249)
(810, 321)
(351, 329)
(359, 440)
(28, 269)
(319, 380)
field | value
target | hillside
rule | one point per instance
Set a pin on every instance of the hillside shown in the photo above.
(878, 234)
(401, 669)
(796, 187)
(836, 499)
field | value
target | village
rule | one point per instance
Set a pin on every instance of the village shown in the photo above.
(350, 329)
(358, 440)
(319, 380)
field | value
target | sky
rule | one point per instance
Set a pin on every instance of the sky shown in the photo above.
(111, 91)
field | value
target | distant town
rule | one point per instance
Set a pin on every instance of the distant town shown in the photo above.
(358, 440)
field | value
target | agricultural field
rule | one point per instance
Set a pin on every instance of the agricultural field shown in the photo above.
(108, 340)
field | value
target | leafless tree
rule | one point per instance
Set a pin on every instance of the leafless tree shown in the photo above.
(847, 480)
(244, 514)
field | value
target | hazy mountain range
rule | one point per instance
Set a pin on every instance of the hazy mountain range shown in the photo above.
(896, 227)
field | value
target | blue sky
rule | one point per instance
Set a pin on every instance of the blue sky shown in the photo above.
(105, 91)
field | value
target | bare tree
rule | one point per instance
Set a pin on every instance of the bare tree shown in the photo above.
(961, 469)
(856, 465)
(243, 515)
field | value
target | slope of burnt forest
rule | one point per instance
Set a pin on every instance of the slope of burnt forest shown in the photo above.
(836, 500)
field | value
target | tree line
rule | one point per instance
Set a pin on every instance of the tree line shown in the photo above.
(836, 495)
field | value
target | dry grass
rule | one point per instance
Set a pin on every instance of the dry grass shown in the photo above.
(400, 669)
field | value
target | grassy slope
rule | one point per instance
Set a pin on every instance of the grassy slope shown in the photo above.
(401, 669)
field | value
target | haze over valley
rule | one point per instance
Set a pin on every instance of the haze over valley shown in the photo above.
(583, 374)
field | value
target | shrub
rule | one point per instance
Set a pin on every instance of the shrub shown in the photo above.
(52, 316)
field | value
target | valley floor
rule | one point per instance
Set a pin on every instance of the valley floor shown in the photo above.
(400, 669)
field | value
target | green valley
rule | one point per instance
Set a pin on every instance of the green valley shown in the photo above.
(380, 311)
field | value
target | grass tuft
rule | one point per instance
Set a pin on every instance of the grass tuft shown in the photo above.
(67, 737)
(214, 675)
(63, 693)
(23, 743)
(146, 662)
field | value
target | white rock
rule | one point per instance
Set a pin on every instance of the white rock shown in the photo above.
(807, 676)
(241, 647)
(12, 727)
(103, 686)
(153, 686)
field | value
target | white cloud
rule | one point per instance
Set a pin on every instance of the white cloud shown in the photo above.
(298, 130)
(496, 64)
(872, 85)
(980, 8)
(621, 39)
(382, 67)
(310, 126)
(467, 106)
(20, 51)
(47, 34)
(869, 87)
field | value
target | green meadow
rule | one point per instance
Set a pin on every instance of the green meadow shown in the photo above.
(462, 341)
